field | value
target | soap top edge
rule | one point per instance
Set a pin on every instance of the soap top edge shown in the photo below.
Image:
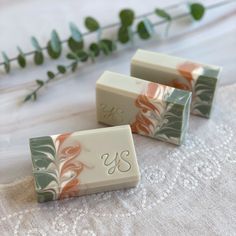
(103, 84)
(136, 60)
(90, 131)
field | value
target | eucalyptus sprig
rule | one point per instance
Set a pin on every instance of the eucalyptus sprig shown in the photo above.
(128, 26)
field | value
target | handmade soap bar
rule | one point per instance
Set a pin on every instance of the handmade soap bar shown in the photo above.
(84, 162)
(151, 109)
(179, 73)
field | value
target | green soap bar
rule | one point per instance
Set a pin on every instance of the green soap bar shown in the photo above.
(151, 109)
(180, 73)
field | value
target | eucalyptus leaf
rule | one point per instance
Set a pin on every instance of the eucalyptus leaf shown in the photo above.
(104, 48)
(91, 55)
(34, 96)
(50, 74)
(7, 65)
(21, 61)
(91, 24)
(95, 49)
(197, 11)
(35, 44)
(107, 46)
(74, 45)
(40, 82)
(82, 55)
(51, 52)
(28, 97)
(163, 14)
(75, 33)
(74, 66)
(61, 69)
(55, 42)
(145, 29)
(38, 58)
(149, 26)
(72, 56)
(127, 17)
(123, 34)
(21, 58)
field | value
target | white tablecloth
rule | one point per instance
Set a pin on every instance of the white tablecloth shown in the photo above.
(187, 190)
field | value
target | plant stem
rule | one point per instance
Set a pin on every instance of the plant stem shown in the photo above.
(138, 17)
(109, 26)
(177, 17)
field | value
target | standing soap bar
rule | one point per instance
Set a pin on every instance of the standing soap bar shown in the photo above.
(84, 162)
(179, 73)
(152, 109)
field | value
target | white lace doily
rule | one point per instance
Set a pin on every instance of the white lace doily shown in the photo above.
(187, 190)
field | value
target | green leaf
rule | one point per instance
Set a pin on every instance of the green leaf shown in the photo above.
(55, 42)
(72, 56)
(145, 29)
(28, 97)
(34, 96)
(75, 33)
(61, 69)
(163, 14)
(38, 58)
(126, 17)
(123, 34)
(95, 49)
(35, 44)
(107, 46)
(75, 46)
(7, 65)
(91, 55)
(50, 74)
(21, 59)
(74, 66)
(40, 82)
(197, 11)
(51, 52)
(82, 55)
(91, 24)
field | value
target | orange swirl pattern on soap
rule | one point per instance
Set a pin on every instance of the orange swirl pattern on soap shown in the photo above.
(186, 69)
(69, 165)
(151, 106)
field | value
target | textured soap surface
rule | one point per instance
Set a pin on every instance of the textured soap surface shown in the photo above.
(151, 109)
(180, 73)
(84, 162)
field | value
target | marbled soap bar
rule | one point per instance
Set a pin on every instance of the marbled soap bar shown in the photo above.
(152, 109)
(179, 73)
(84, 162)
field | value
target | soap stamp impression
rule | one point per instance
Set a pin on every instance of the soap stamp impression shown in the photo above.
(117, 162)
(112, 113)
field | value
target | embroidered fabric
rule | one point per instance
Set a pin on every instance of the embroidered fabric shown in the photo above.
(187, 190)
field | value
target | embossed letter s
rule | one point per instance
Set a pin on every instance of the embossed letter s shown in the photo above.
(119, 162)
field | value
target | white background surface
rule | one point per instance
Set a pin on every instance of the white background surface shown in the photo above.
(69, 104)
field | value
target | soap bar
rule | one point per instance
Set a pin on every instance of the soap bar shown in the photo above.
(84, 162)
(152, 109)
(180, 73)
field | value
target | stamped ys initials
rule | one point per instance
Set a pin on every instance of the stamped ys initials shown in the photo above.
(117, 162)
(112, 113)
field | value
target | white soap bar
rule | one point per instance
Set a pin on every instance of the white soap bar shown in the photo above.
(84, 162)
(152, 109)
(182, 73)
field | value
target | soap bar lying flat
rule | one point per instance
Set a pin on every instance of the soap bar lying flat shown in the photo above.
(151, 109)
(179, 73)
(84, 162)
